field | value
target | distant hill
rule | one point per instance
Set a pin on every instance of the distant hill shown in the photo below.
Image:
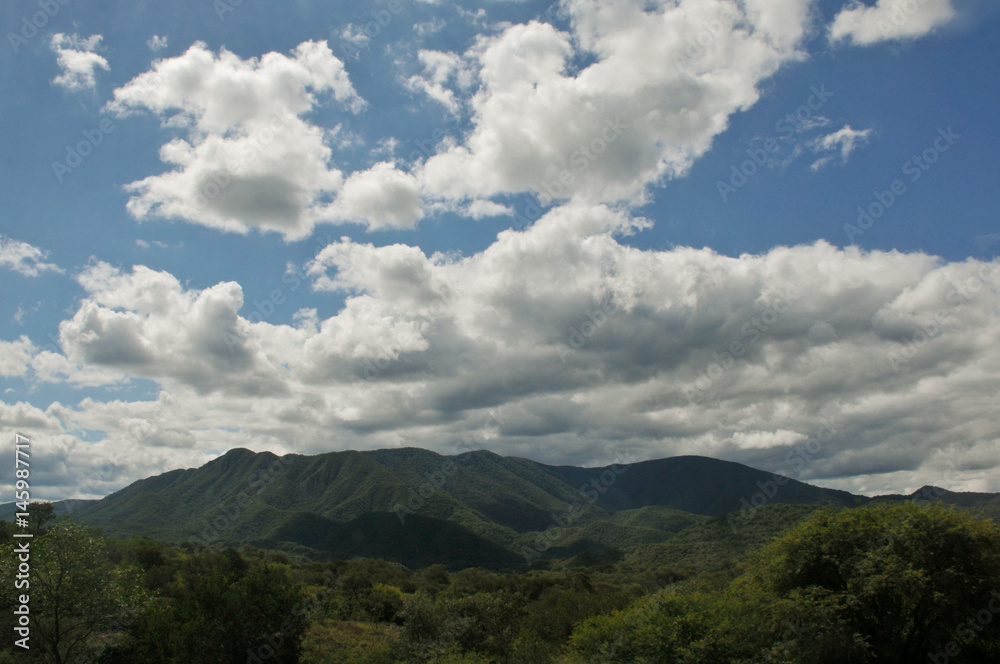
(417, 507)
(984, 504)
(61, 507)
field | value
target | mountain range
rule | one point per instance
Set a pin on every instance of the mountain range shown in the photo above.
(417, 507)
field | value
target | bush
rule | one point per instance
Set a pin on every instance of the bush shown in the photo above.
(896, 580)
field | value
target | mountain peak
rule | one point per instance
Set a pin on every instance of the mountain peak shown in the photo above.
(928, 491)
(403, 504)
(238, 452)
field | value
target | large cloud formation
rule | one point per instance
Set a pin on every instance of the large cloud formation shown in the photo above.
(250, 160)
(868, 371)
(580, 345)
(665, 78)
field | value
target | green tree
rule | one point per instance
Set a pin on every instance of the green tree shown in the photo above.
(78, 597)
(882, 584)
(487, 623)
(332, 641)
(692, 628)
(40, 515)
(222, 610)
(894, 582)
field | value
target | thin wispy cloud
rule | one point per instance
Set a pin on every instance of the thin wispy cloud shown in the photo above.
(843, 142)
(25, 259)
(78, 61)
(157, 43)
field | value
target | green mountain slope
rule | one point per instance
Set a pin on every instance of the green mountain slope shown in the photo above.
(692, 484)
(418, 507)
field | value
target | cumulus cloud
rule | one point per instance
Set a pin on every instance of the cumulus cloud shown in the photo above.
(67, 466)
(249, 159)
(843, 142)
(23, 258)
(15, 356)
(381, 197)
(51, 366)
(664, 79)
(581, 344)
(576, 342)
(145, 324)
(77, 60)
(889, 20)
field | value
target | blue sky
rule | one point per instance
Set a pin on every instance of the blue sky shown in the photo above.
(308, 227)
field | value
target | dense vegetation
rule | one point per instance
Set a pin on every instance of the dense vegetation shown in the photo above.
(904, 582)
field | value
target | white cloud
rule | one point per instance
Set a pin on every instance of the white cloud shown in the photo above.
(354, 36)
(429, 27)
(15, 356)
(843, 141)
(157, 43)
(767, 439)
(381, 197)
(584, 343)
(480, 209)
(148, 244)
(984, 243)
(438, 69)
(67, 466)
(249, 159)
(889, 20)
(643, 111)
(145, 324)
(24, 258)
(52, 367)
(78, 61)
